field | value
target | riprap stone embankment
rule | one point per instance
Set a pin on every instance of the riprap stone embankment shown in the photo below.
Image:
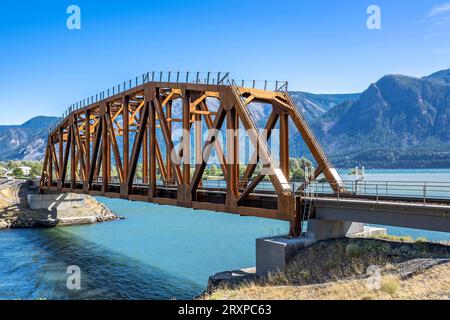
(16, 213)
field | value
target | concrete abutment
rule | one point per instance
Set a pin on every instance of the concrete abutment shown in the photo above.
(273, 253)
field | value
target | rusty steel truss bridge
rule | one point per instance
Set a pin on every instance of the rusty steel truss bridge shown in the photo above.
(119, 144)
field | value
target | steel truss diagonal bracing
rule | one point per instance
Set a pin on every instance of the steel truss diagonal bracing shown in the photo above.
(122, 145)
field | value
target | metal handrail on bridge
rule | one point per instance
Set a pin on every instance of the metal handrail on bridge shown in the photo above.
(431, 192)
(208, 78)
(428, 191)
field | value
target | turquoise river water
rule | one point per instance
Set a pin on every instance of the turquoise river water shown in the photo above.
(157, 252)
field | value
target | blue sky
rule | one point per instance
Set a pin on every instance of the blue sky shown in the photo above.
(320, 46)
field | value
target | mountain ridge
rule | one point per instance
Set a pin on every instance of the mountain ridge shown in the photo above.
(396, 117)
(26, 141)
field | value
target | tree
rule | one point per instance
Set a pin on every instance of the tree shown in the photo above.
(297, 168)
(36, 169)
(139, 174)
(298, 174)
(17, 172)
(213, 170)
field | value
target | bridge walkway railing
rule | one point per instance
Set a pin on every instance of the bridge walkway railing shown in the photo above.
(425, 190)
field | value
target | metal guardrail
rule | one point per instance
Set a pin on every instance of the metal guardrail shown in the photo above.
(426, 191)
(377, 190)
(209, 78)
(213, 78)
(263, 84)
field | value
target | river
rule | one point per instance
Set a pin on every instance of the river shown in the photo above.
(157, 252)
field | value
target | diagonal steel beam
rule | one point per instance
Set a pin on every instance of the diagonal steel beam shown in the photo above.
(80, 148)
(55, 160)
(45, 173)
(95, 154)
(160, 161)
(167, 138)
(279, 181)
(136, 111)
(66, 158)
(219, 150)
(114, 145)
(314, 146)
(207, 149)
(251, 167)
(250, 187)
(137, 146)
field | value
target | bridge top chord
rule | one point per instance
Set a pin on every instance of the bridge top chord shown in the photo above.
(201, 78)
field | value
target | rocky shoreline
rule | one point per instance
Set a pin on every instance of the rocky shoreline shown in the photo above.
(15, 213)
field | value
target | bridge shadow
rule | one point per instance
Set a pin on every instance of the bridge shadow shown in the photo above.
(105, 274)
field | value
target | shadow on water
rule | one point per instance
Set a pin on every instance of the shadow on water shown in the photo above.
(36, 269)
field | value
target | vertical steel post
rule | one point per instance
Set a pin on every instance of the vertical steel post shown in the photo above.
(73, 163)
(126, 144)
(186, 104)
(87, 147)
(61, 156)
(50, 162)
(284, 145)
(231, 158)
(152, 133)
(169, 167)
(145, 154)
(105, 146)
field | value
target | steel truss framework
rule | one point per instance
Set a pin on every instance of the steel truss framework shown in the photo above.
(84, 149)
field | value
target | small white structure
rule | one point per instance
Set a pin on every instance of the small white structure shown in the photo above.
(26, 170)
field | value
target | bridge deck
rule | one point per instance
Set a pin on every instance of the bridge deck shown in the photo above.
(403, 213)
(413, 212)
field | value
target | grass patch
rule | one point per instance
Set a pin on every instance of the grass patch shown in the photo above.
(390, 284)
(407, 239)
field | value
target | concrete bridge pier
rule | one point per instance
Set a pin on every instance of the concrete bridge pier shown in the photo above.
(273, 253)
(55, 201)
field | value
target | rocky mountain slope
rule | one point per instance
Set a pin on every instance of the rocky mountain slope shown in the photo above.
(26, 141)
(398, 121)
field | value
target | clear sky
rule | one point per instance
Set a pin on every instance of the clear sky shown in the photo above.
(320, 46)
